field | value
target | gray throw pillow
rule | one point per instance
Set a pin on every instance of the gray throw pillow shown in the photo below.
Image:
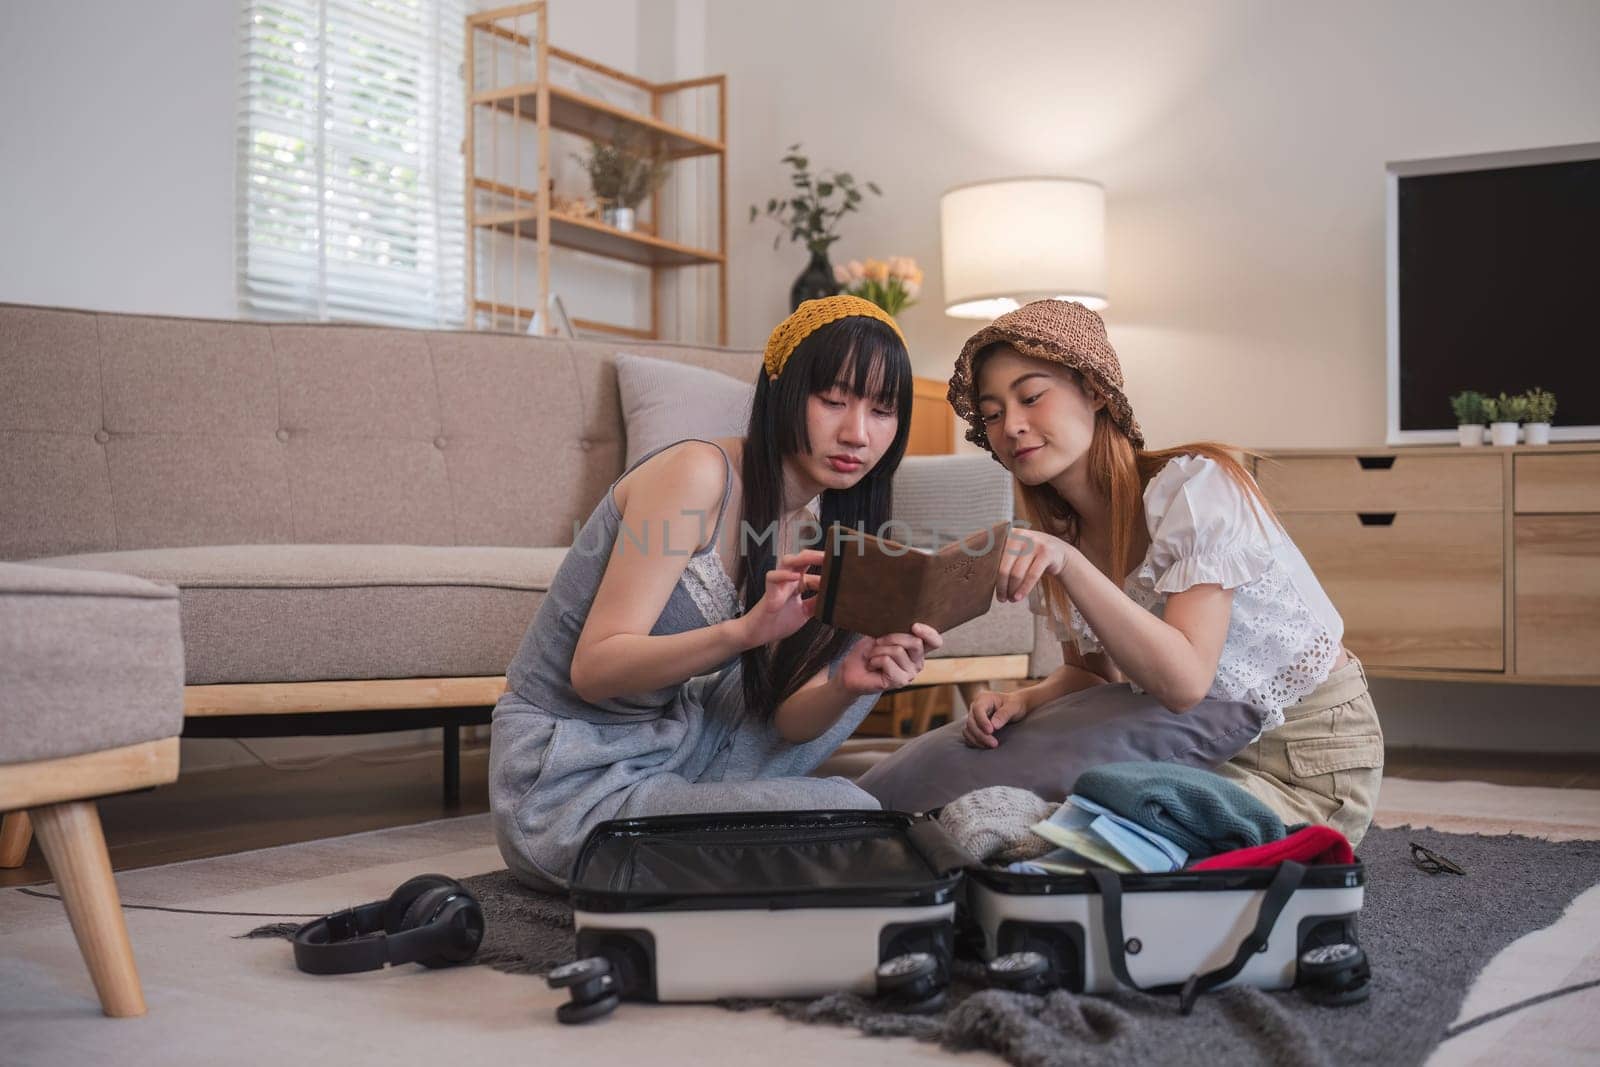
(1046, 751)
(663, 402)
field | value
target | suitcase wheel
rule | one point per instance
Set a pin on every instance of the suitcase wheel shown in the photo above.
(912, 983)
(573, 1012)
(1021, 972)
(1334, 975)
(590, 985)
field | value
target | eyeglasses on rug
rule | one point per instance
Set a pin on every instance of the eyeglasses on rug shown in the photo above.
(1430, 861)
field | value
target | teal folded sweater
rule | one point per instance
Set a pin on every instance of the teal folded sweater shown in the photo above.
(1201, 811)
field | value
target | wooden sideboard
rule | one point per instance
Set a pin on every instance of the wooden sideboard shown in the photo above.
(1450, 563)
(933, 420)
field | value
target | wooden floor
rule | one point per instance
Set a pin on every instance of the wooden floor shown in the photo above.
(212, 813)
(1565, 770)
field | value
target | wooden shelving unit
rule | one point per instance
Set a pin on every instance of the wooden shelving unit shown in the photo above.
(499, 203)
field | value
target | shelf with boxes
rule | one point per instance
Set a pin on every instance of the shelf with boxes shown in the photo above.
(1453, 564)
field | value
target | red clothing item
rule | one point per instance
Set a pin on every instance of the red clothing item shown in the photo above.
(1312, 845)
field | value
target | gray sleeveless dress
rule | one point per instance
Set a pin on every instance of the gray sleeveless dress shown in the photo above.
(559, 765)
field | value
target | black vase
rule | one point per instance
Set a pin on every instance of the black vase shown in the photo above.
(815, 282)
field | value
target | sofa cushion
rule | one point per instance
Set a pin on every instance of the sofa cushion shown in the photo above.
(663, 402)
(305, 613)
(298, 613)
(1006, 630)
(88, 662)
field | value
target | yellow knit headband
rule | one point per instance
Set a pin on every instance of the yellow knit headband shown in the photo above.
(812, 315)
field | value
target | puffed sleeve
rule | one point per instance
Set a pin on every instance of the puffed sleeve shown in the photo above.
(1205, 529)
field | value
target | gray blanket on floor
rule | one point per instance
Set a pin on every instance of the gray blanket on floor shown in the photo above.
(1427, 936)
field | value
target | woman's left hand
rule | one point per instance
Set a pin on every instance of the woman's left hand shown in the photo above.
(1028, 556)
(877, 664)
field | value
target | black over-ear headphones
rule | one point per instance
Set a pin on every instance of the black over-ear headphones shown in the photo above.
(431, 920)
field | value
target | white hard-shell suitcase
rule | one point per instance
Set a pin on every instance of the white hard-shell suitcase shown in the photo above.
(1184, 932)
(759, 904)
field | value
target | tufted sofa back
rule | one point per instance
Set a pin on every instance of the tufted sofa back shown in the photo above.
(130, 431)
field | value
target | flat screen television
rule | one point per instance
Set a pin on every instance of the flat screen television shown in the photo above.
(1494, 285)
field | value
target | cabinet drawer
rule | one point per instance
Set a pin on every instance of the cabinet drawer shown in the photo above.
(1426, 590)
(1558, 483)
(1382, 482)
(1558, 594)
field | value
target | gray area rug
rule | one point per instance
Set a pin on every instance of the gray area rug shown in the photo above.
(1427, 936)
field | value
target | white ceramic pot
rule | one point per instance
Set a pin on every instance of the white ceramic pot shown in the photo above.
(1471, 435)
(1538, 433)
(618, 218)
(1502, 434)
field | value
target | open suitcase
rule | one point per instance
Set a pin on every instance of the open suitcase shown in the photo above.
(1184, 932)
(760, 904)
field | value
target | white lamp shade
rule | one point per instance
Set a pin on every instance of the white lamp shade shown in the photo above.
(1008, 242)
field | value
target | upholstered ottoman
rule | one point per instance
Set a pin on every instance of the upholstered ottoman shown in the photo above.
(91, 703)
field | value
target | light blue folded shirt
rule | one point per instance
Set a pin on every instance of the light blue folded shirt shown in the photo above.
(1144, 848)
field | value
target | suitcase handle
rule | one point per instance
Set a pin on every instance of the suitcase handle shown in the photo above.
(1284, 882)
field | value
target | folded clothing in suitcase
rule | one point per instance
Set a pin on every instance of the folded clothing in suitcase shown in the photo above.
(763, 904)
(1185, 932)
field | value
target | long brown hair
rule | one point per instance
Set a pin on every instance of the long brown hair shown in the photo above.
(1120, 472)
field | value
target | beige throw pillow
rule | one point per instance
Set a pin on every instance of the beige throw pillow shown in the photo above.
(663, 402)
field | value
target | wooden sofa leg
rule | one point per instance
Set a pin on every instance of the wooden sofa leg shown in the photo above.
(73, 845)
(15, 833)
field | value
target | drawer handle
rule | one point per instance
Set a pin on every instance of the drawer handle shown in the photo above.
(1375, 463)
(1376, 518)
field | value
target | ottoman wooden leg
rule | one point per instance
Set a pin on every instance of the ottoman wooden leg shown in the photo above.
(75, 848)
(15, 833)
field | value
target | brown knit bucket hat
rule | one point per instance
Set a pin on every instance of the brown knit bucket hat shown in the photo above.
(1061, 331)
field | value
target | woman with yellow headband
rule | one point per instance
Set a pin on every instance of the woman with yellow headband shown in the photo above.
(675, 666)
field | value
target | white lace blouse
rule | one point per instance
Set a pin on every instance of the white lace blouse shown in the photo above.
(1283, 634)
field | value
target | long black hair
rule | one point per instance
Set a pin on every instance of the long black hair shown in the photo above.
(868, 359)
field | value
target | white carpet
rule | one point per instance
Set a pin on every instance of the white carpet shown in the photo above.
(214, 999)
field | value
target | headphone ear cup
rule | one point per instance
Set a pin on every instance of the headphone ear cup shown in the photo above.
(410, 891)
(463, 918)
(455, 912)
(423, 908)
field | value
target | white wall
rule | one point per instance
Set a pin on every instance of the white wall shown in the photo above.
(1242, 146)
(117, 153)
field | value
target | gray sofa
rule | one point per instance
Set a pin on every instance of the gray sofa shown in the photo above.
(376, 507)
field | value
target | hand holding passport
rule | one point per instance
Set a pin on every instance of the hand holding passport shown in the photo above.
(875, 586)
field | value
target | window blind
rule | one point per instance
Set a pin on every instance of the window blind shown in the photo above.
(350, 168)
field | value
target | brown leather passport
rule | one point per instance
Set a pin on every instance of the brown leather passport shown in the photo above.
(874, 586)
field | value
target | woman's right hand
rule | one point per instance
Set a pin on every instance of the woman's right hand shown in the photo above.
(1029, 555)
(781, 611)
(987, 713)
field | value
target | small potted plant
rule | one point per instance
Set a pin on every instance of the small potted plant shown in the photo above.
(810, 212)
(893, 284)
(1505, 415)
(1541, 409)
(622, 176)
(1470, 416)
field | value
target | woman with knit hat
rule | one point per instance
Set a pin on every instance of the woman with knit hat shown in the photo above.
(674, 665)
(1176, 594)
